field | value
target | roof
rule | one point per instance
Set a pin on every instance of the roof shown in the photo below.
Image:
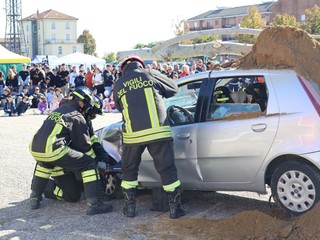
(49, 14)
(236, 11)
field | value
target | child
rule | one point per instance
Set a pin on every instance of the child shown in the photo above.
(23, 106)
(43, 105)
(9, 106)
(54, 103)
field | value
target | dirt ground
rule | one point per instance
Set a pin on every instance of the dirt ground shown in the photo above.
(276, 48)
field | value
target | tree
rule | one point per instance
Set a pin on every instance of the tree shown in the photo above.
(281, 20)
(89, 42)
(254, 21)
(313, 20)
(110, 57)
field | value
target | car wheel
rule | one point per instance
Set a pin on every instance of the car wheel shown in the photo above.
(113, 186)
(295, 187)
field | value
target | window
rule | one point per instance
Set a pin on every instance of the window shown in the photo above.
(67, 25)
(59, 50)
(216, 22)
(39, 26)
(53, 38)
(238, 98)
(27, 28)
(67, 38)
(303, 17)
(53, 25)
(74, 49)
(195, 24)
(39, 38)
(208, 25)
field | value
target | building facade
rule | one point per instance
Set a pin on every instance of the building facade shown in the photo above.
(232, 17)
(51, 33)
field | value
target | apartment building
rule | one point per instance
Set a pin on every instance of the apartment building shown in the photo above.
(51, 33)
(232, 17)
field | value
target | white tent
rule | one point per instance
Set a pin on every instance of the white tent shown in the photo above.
(75, 59)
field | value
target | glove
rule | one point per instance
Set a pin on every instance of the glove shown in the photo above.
(102, 165)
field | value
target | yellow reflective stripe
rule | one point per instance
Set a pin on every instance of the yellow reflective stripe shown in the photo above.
(94, 139)
(147, 138)
(42, 172)
(171, 187)
(45, 157)
(89, 176)
(147, 135)
(58, 192)
(152, 109)
(78, 95)
(52, 137)
(125, 114)
(222, 99)
(91, 153)
(57, 171)
(129, 184)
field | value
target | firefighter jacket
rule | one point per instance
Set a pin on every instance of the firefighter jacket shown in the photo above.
(139, 96)
(64, 128)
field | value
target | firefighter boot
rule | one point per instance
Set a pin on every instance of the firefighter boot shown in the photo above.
(130, 202)
(176, 209)
(49, 190)
(94, 206)
(35, 200)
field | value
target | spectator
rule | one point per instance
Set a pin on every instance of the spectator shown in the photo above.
(9, 107)
(54, 104)
(22, 106)
(88, 78)
(108, 78)
(199, 66)
(62, 80)
(80, 79)
(3, 97)
(36, 77)
(12, 80)
(50, 95)
(59, 95)
(35, 97)
(2, 85)
(43, 105)
(185, 71)
(23, 78)
(97, 81)
(72, 76)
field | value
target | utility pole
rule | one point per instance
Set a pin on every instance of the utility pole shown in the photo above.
(14, 37)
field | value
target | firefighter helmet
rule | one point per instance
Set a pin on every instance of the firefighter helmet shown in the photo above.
(129, 59)
(83, 94)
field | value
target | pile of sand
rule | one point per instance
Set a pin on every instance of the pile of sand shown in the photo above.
(285, 47)
(243, 226)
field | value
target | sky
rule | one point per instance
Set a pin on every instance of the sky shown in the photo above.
(120, 25)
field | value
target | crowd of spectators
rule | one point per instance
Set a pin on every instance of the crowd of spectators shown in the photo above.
(41, 88)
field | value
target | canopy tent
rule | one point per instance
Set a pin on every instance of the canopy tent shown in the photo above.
(9, 59)
(39, 59)
(77, 59)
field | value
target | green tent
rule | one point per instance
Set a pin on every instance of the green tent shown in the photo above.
(9, 59)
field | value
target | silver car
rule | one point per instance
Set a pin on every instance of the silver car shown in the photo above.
(241, 130)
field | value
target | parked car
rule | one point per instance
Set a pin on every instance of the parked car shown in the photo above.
(265, 131)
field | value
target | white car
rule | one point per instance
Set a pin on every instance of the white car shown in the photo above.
(241, 130)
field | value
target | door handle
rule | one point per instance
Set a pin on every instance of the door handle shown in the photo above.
(183, 135)
(260, 127)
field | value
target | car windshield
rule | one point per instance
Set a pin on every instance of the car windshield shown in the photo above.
(186, 96)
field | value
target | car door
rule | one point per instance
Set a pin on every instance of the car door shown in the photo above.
(232, 147)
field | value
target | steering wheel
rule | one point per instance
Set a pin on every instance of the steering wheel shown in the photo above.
(177, 115)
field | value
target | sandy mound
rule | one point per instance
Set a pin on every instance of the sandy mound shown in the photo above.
(246, 225)
(285, 47)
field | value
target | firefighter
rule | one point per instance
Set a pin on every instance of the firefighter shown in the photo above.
(138, 96)
(65, 185)
(63, 142)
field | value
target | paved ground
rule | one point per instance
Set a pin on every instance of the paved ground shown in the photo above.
(60, 220)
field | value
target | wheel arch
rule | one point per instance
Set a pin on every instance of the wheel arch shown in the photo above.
(275, 163)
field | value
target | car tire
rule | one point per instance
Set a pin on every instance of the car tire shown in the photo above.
(112, 186)
(295, 187)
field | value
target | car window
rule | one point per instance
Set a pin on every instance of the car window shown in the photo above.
(186, 96)
(238, 98)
